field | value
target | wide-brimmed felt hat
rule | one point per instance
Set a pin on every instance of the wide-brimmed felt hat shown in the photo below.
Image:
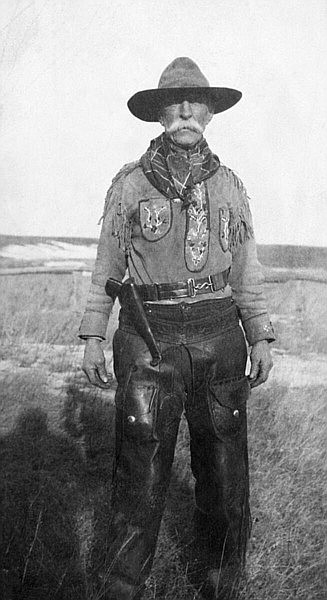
(181, 80)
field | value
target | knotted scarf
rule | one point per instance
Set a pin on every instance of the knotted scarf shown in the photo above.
(174, 171)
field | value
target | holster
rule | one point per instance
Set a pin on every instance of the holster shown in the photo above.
(131, 301)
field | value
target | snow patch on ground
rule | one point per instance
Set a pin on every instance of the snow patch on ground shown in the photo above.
(49, 251)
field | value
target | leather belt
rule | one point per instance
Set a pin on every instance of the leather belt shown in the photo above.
(183, 289)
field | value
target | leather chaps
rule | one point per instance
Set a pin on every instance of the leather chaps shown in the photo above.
(202, 373)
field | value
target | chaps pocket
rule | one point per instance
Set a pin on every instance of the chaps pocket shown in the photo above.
(139, 404)
(227, 407)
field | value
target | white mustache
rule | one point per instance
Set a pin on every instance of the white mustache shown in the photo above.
(179, 125)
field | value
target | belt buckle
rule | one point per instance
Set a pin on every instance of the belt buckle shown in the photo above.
(195, 288)
(210, 284)
(191, 287)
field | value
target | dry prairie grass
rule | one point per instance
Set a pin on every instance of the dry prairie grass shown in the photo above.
(56, 455)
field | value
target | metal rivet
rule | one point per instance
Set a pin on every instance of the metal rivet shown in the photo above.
(236, 413)
(131, 419)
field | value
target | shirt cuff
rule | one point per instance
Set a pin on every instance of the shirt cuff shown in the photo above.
(258, 328)
(94, 324)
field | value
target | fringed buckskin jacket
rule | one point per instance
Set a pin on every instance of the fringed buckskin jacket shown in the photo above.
(157, 239)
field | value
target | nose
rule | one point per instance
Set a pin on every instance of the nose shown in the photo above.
(185, 110)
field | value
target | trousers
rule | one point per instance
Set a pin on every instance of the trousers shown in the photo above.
(202, 374)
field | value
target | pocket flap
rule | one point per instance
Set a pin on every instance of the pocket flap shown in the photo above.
(231, 393)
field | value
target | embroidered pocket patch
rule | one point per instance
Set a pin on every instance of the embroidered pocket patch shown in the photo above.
(224, 228)
(155, 218)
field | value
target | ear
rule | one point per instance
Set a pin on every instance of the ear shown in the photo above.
(209, 117)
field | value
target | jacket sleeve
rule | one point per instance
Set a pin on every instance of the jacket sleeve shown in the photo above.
(246, 276)
(110, 262)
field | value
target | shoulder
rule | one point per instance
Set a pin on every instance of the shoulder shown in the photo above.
(232, 179)
(234, 189)
(240, 222)
(129, 179)
(125, 173)
(114, 193)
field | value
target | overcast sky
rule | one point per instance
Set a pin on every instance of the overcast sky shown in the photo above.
(68, 67)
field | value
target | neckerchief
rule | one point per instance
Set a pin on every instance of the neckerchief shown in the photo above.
(174, 171)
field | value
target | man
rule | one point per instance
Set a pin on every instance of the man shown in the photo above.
(179, 224)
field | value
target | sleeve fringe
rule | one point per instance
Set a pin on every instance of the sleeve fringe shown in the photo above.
(120, 221)
(240, 222)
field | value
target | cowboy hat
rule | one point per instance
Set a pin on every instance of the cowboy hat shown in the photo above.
(181, 80)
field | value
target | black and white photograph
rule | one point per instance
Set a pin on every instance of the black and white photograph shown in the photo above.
(163, 281)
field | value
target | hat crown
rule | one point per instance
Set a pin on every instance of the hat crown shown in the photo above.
(181, 79)
(182, 73)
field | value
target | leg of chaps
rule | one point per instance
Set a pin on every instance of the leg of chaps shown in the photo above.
(217, 421)
(149, 404)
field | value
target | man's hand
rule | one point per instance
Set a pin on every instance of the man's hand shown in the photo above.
(261, 363)
(94, 364)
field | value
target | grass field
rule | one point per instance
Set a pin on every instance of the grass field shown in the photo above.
(56, 451)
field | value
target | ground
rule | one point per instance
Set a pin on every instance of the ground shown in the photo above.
(57, 445)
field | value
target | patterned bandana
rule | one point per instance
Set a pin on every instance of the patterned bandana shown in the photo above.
(175, 171)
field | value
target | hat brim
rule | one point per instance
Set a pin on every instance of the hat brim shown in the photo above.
(147, 105)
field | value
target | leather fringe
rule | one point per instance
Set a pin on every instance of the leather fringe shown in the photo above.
(240, 221)
(120, 221)
(240, 226)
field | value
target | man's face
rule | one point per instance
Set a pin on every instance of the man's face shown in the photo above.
(185, 123)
